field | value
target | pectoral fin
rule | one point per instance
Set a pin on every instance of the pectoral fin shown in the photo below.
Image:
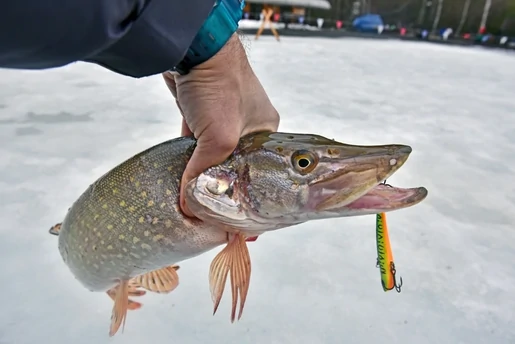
(233, 259)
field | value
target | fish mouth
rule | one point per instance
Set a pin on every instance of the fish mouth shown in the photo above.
(354, 175)
(383, 198)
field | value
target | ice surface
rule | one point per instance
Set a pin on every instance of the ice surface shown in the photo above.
(314, 283)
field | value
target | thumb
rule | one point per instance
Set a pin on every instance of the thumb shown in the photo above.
(211, 150)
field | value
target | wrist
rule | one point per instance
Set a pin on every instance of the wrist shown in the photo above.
(213, 36)
(229, 66)
(232, 56)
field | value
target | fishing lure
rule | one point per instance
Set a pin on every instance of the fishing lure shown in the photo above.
(384, 256)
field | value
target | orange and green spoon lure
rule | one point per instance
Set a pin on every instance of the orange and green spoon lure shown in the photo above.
(384, 256)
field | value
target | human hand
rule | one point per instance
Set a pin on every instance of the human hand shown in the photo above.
(220, 100)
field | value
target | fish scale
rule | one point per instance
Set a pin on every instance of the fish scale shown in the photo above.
(128, 222)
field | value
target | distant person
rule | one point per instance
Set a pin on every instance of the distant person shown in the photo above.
(203, 62)
(266, 15)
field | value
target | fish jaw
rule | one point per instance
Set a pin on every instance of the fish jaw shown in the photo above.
(276, 180)
(384, 198)
(380, 199)
(352, 176)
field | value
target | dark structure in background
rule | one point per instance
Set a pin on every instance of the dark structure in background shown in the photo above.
(489, 23)
(464, 14)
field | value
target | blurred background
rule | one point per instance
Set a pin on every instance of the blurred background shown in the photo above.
(464, 22)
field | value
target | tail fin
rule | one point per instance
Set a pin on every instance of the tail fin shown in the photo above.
(54, 230)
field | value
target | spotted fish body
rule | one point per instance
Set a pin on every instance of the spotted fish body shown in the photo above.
(129, 223)
(126, 232)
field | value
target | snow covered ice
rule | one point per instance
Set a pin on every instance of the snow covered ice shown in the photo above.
(313, 283)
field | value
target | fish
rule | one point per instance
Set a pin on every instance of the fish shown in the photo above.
(126, 233)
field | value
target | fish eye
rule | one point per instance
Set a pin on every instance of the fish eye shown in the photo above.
(304, 161)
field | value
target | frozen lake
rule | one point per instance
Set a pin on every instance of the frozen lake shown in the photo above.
(314, 283)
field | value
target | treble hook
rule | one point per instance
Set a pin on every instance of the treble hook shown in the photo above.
(384, 183)
(394, 273)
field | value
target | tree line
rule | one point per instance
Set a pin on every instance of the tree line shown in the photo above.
(463, 16)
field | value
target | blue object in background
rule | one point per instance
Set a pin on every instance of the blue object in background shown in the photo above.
(367, 22)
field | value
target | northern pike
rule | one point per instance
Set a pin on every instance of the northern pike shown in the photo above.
(126, 232)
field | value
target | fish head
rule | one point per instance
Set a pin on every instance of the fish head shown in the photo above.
(276, 180)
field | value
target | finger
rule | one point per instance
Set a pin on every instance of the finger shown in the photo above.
(170, 82)
(185, 130)
(212, 149)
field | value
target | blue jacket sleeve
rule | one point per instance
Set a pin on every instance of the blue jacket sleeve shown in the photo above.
(131, 37)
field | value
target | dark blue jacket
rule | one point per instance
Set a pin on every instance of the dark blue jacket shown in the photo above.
(131, 37)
